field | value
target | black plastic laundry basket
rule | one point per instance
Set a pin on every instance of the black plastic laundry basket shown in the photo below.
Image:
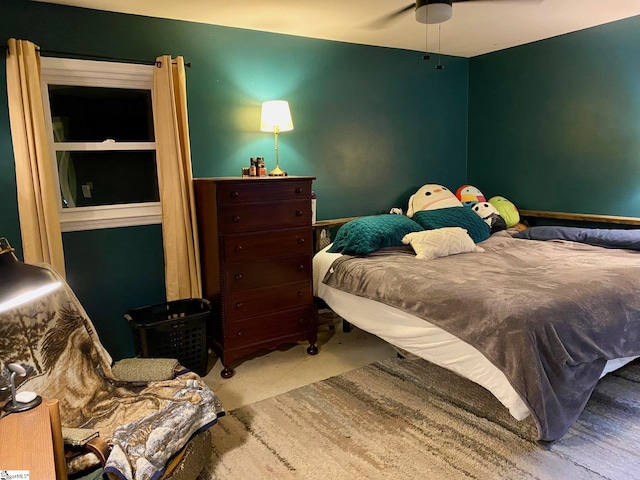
(176, 329)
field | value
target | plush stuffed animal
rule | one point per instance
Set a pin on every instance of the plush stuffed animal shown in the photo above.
(490, 215)
(506, 209)
(431, 197)
(469, 195)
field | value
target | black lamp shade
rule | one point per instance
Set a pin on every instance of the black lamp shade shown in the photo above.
(21, 282)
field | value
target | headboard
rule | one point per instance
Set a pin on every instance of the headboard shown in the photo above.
(626, 222)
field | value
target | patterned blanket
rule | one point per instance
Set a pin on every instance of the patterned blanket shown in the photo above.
(54, 339)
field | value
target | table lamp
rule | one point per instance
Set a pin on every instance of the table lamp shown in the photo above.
(21, 283)
(276, 118)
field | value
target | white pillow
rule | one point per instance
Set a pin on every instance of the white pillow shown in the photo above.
(441, 242)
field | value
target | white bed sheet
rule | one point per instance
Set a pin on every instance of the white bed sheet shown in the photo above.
(422, 338)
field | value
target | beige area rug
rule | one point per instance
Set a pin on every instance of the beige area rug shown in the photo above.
(409, 419)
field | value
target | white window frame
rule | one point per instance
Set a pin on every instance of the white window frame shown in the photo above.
(90, 73)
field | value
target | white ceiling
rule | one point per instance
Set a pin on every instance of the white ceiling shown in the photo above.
(477, 27)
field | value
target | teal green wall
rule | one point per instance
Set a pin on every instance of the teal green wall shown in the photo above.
(555, 125)
(372, 124)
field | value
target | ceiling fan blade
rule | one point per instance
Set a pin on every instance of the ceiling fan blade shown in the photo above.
(384, 21)
(499, 1)
(387, 19)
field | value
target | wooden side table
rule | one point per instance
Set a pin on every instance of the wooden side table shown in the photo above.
(318, 227)
(26, 443)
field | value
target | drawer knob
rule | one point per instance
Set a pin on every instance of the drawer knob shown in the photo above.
(239, 305)
(301, 320)
(300, 268)
(299, 213)
(238, 276)
(240, 333)
(298, 190)
(236, 218)
(238, 248)
(300, 293)
(301, 241)
(234, 194)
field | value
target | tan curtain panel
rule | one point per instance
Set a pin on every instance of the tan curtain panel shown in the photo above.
(37, 203)
(179, 230)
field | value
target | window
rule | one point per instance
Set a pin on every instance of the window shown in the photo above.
(100, 126)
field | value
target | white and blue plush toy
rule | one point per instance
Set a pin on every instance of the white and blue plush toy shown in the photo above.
(490, 215)
(431, 197)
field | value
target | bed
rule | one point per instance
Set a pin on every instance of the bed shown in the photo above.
(575, 307)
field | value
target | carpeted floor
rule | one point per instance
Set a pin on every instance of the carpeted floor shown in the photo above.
(409, 419)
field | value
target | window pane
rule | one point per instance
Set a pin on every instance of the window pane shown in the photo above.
(95, 114)
(107, 178)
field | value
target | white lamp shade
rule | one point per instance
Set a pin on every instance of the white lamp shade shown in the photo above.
(276, 116)
(21, 283)
(434, 12)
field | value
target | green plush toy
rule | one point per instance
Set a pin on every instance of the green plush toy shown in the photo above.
(506, 209)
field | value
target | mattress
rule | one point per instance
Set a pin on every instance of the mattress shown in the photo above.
(422, 338)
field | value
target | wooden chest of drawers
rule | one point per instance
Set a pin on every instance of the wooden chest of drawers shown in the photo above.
(256, 247)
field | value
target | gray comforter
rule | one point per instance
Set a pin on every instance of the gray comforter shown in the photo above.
(548, 314)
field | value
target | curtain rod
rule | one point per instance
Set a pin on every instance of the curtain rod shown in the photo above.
(96, 57)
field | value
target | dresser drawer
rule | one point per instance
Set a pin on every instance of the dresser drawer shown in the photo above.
(254, 246)
(248, 191)
(241, 305)
(264, 216)
(267, 272)
(268, 327)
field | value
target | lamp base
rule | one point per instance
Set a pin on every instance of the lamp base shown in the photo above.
(15, 407)
(277, 172)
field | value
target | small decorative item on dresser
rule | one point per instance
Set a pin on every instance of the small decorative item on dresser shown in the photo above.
(262, 171)
(256, 247)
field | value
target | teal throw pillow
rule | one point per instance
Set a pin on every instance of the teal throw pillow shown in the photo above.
(454, 217)
(368, 234)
